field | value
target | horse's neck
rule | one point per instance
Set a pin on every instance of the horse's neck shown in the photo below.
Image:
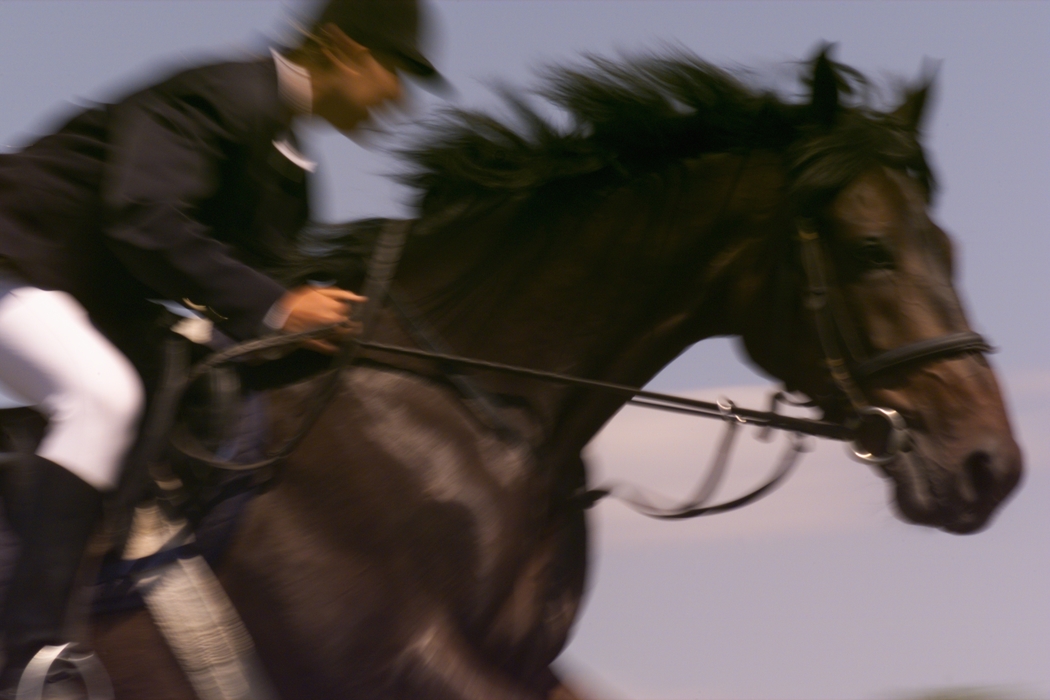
(615, 295)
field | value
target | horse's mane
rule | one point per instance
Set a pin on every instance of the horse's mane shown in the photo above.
(622, 119)
(616, 121)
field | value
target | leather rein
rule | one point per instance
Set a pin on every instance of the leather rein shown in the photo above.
(831, 322)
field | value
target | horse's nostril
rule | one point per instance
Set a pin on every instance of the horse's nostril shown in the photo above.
(980, 469)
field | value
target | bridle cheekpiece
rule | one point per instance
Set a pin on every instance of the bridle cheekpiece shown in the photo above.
(849, 370)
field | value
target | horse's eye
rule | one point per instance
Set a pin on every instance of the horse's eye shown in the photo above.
(873, 255)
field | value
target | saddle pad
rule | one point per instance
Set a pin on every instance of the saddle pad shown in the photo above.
(115, 586)
(198, 621)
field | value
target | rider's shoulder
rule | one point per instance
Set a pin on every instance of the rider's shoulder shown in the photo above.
(237, 91)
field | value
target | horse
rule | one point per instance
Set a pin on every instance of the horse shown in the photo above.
(427, 542)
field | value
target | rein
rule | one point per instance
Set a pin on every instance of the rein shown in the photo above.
(381, 269)
(831, 324)
(727, 411)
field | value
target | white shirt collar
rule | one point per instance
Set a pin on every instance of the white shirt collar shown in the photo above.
(289, 151)
(293, 84)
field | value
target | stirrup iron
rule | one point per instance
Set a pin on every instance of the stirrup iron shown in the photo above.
(85, 665)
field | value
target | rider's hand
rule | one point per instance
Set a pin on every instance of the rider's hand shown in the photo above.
(311, 307)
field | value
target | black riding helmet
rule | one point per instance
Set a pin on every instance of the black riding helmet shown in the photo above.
(390, 26)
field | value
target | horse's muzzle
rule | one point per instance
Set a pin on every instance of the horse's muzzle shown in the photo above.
(958, 490)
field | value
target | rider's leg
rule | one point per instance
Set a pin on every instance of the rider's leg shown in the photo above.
(63, 513)
(53, 357)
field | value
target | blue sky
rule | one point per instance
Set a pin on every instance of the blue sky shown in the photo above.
(817, 592)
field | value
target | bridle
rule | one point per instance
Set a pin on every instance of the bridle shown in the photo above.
(849, 373)
(832, 323)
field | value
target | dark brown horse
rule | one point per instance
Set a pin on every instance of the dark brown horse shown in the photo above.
(408, 549)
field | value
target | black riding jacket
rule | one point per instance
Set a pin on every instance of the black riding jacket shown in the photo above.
(177, 192)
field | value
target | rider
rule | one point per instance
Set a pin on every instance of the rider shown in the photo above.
(182, 191)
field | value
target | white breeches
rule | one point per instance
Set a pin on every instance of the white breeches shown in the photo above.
(54, 359)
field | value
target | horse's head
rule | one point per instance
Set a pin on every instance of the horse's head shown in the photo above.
(860, 189)
(681, 205)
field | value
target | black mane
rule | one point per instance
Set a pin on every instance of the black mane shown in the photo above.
(635, 116)
(619, 121)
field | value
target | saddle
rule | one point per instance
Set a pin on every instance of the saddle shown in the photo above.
(224, 411)
(201, 456)
(163, 534)
(203, 440)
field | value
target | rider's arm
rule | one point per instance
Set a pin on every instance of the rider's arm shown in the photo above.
(168, 149)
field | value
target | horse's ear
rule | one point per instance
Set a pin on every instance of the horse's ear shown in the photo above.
(824, 104)
(911, 112)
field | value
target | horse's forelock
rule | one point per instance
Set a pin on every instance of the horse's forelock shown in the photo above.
(822, 163)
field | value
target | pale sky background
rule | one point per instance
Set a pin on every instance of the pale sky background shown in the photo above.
(818, 592)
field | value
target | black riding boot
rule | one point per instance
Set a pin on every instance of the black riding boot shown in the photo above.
(59, 520)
